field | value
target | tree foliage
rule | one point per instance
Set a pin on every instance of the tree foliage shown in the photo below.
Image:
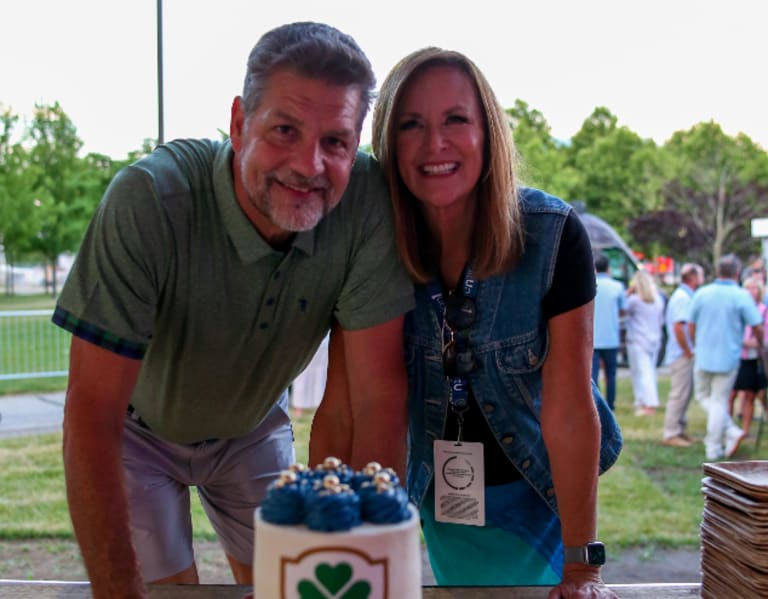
(19, 214)
(618, 170)
(669, 232)
(47, 191)
(692, 198)
(715, 186)
(64, 185)
(541, 158)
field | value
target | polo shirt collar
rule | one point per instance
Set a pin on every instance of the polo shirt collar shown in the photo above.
(725, 282)
(248, 242)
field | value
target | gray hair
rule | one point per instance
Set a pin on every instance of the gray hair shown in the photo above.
(729, 267)
(312, 50)
(689, 269)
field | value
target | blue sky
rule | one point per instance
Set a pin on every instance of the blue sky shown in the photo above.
(659, 65)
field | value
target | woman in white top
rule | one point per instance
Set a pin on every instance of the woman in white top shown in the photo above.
(644, 322)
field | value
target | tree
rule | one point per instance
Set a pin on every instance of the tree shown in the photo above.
(716, 184)
(668, 232)
(67, 187)
(619, 172)
(18, 209)
(595, 127)
(542, 158)
(47, 192)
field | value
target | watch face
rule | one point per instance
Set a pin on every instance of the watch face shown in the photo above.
(595, 554)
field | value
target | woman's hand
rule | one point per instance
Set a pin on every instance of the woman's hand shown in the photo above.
(581, 582)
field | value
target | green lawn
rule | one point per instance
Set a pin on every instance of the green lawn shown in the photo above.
(650, 498)
(33, 501)
(26, 302)
(31, 337)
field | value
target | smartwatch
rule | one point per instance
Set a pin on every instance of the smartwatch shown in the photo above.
(592, 554)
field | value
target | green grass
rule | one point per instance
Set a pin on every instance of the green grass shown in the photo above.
(27, 386)
(27, 302)
(38, 332)
(650, 498)
(33, 498)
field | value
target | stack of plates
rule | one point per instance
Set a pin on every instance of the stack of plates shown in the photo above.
(734, 530)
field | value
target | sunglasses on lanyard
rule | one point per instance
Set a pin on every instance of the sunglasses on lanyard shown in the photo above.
(460, 314)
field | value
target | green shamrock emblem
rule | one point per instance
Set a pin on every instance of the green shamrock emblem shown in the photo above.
(333, 579)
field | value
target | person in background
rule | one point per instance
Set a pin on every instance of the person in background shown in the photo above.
(678, 357)
(644, 323)
(207, 278)
(750, 379)
(756, 268)
(501, 329)
(307, 388)
(719, 313)
(610, 304)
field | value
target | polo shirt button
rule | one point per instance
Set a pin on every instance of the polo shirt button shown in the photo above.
(489, 408)
(508, 440)
(526, 464)
(550, 492)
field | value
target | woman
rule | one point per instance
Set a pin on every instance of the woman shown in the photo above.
(750, 380)
(644, 322)
(507, 434)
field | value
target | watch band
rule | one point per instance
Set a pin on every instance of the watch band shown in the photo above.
(591, 554)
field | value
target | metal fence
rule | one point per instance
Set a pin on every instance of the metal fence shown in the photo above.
(31, 346)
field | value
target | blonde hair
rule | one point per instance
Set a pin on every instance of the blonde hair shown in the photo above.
(645, 286)
(757, 282)
(498, 236)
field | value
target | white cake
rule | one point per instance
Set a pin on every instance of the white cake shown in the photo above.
(367, 561)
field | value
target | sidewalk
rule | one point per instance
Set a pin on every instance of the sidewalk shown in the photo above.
(31, 414)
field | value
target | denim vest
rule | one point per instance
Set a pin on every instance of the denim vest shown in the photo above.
(510, 343)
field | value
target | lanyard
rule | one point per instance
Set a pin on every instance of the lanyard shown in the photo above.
(456, 340)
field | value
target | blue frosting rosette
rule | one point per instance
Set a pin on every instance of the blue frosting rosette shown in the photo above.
(383, 502)
(285, 500)
(333, 497)
(333, 507)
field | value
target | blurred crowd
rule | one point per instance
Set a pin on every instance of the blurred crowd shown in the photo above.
(709, 335)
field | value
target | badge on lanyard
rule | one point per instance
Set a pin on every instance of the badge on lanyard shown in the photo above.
(459, 466)
(459, 482)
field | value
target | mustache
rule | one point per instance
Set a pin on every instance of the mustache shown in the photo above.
(294, 179)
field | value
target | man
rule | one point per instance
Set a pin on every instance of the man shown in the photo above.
(679, 357)
(719, 313)
(610, 302)
(207, 279)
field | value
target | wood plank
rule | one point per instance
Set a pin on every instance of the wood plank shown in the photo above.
(81, 590)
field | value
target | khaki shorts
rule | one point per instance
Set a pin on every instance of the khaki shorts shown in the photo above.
(231, 477)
